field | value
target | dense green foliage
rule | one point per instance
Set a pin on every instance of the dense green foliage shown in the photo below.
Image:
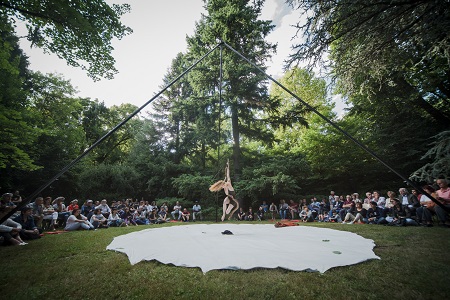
(277, 147)
(79, 32)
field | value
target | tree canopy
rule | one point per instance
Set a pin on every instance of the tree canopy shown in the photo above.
(79, 32)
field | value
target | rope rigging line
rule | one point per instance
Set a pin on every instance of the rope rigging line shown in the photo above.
(76, 160)
(359, 144)
(373, 154)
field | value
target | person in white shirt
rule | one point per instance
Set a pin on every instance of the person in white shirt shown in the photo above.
(77, 221)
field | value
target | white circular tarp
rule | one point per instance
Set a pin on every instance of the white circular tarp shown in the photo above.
(296, 248)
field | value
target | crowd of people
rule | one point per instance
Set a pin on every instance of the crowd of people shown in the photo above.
(402, 209)
(47, 214)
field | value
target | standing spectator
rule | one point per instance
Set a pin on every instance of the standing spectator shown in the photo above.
(77, 221)
(443, 195)
(176, 210)
(197, 211)
(104, 208)
(29, 229)
(273, 210)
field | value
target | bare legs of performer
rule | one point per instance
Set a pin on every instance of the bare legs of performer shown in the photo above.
(228, 207)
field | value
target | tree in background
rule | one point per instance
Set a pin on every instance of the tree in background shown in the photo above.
(16, 135)
(79, 32)
(244, 90)
(390, 60)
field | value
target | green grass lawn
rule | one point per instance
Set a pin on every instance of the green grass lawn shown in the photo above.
(415, 264)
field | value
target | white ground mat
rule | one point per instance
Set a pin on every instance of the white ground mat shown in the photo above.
(295, 248)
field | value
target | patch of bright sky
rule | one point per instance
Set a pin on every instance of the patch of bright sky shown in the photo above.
(159, 33)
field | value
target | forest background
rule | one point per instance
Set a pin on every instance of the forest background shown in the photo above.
(389, 61)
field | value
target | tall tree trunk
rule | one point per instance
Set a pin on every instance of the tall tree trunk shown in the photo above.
(236, 144)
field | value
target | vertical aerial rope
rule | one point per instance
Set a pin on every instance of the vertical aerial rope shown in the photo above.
(218, 131)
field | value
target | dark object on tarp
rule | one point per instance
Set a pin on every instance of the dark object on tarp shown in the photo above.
(227, 232)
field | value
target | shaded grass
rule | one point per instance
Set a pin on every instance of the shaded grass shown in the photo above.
(414, 264)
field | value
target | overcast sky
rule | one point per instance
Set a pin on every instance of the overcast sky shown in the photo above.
(159, 33)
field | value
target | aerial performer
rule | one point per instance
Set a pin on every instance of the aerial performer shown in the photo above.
(230, 205)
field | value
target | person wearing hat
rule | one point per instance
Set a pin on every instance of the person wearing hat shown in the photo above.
(29, 229)
(73, 205)
(87, 209)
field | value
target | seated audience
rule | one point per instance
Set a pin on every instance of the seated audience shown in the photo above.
(73, 205)
(293, 209)
(176, 211)
(29, 230)
(77, 221)
(61, 209)
(250, 215)
(241, 214)
(50, 214)
(273, 210)
(10, 231)
(443, 195)
(284, 207)
(162, 215)
(98, 220)
(375, 214)
(359, 215)
(197, 212)
(127, 216)
(185, 215)
(87, 209)
(37, 211)
(260, 214)
(114, 220)
(104, 208)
